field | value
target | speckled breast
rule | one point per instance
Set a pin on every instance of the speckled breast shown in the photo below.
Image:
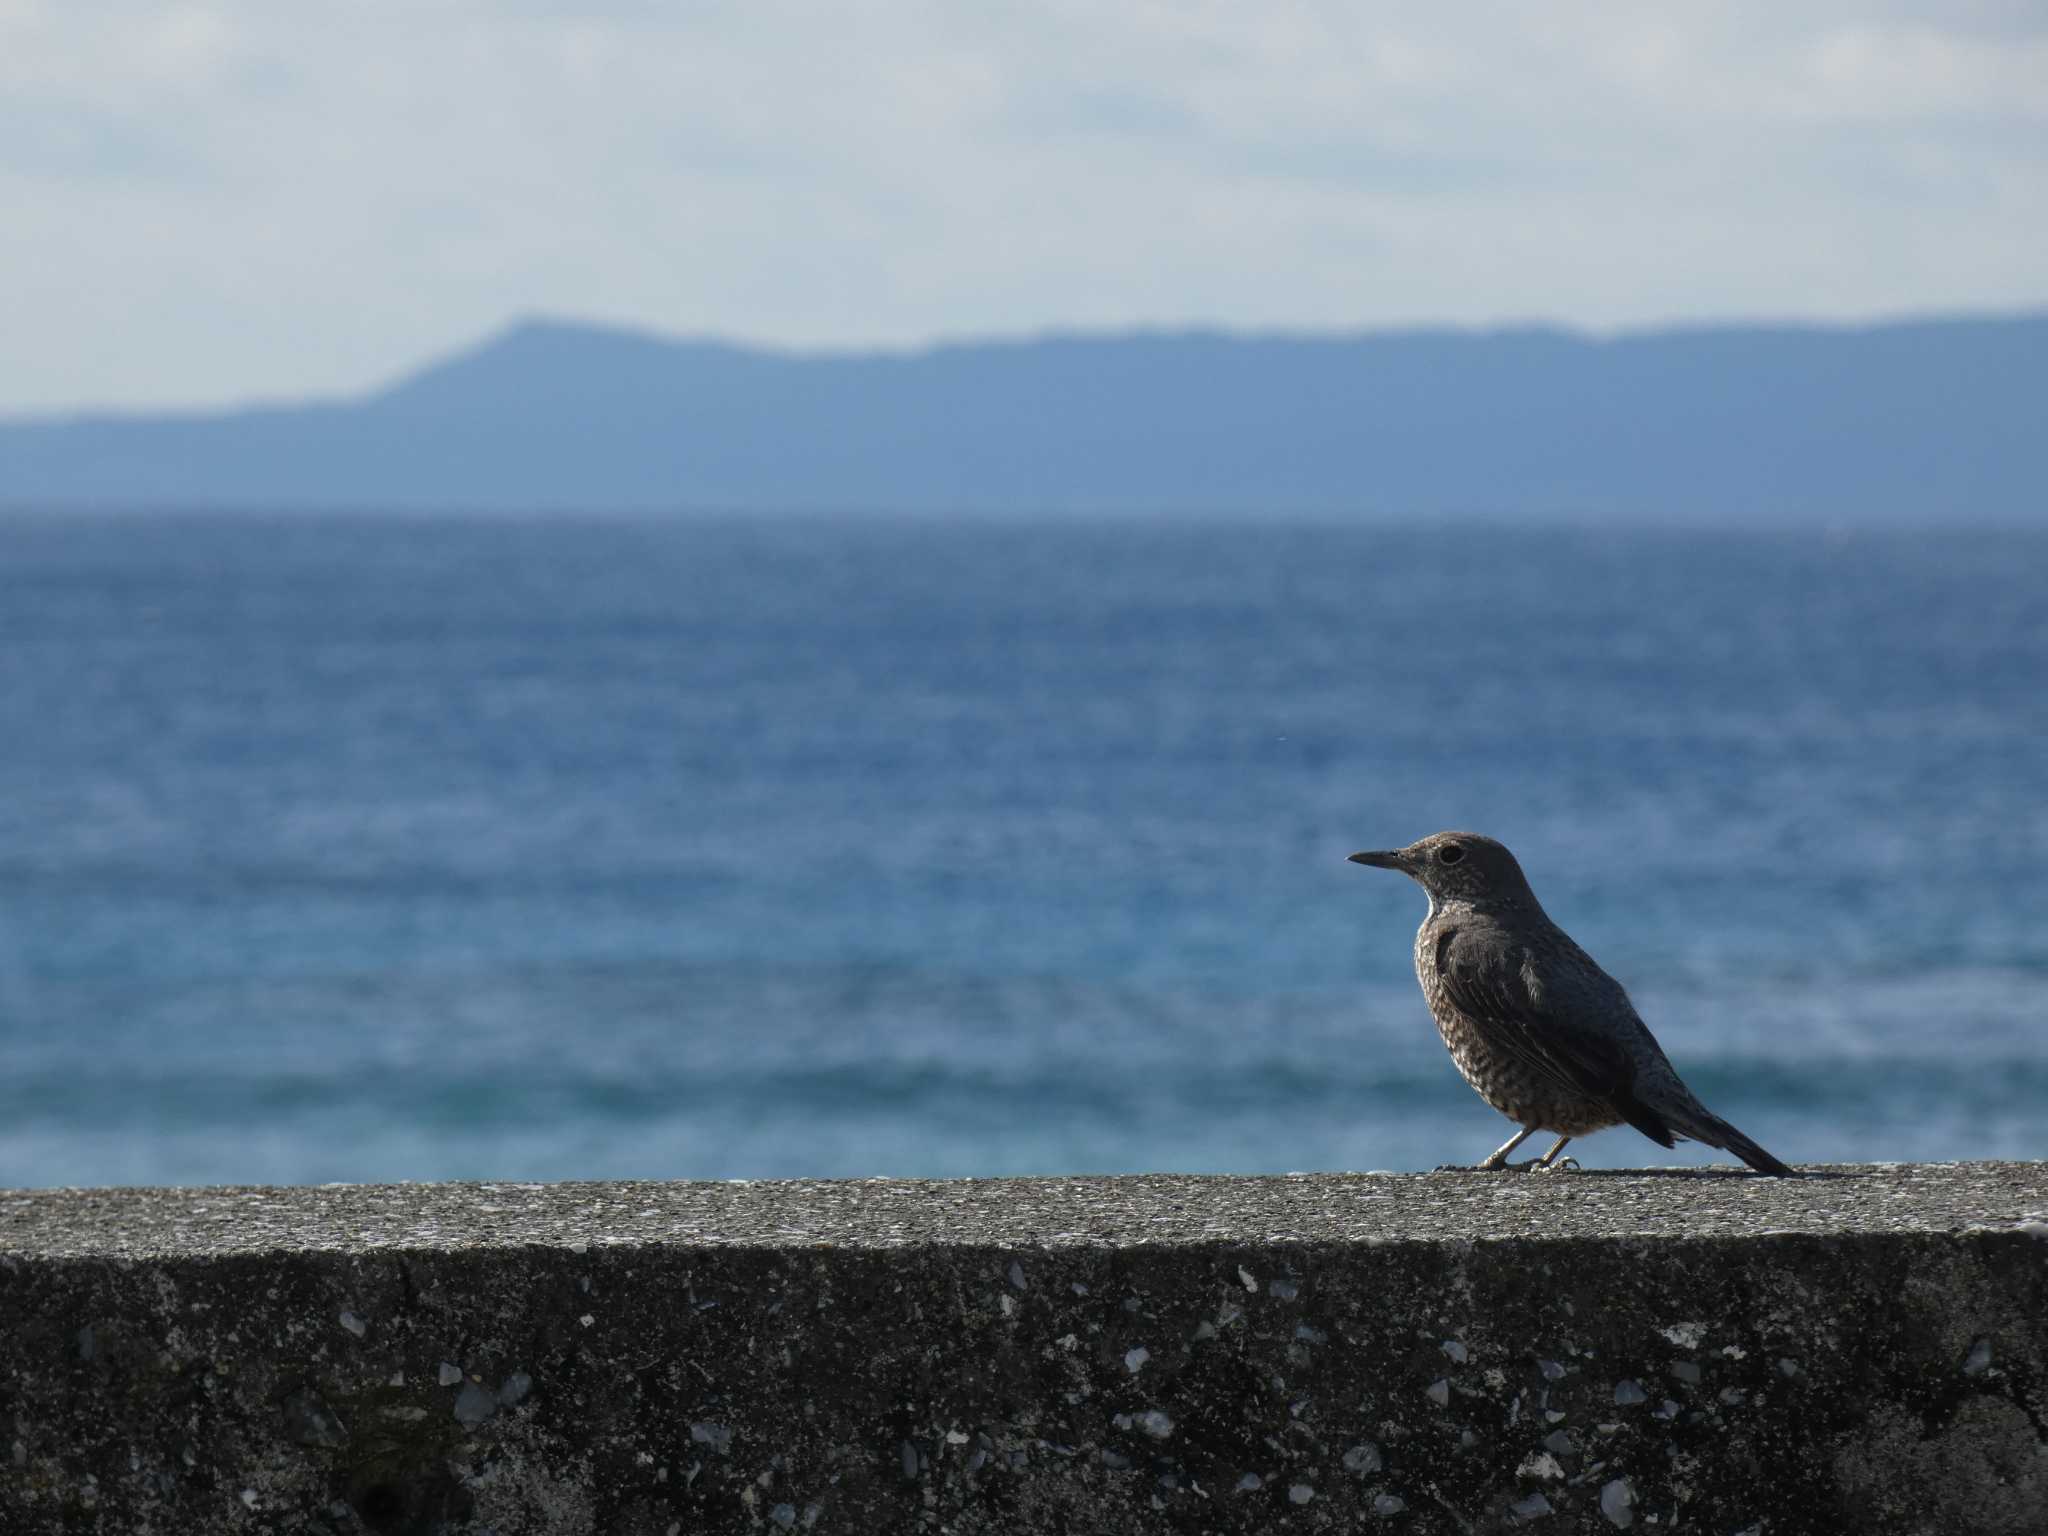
(1523, 1093)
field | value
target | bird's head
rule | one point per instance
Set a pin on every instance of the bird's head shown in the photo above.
(1458, 866)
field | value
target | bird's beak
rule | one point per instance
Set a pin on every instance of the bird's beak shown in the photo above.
(1388, 860)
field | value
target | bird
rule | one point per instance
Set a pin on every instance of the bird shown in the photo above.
(1536, 1027)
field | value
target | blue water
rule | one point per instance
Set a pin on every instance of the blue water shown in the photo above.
(381, 848)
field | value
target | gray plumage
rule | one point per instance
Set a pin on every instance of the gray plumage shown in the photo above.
(1545, 1036)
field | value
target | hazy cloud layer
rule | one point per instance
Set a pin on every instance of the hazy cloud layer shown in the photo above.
(260, 197)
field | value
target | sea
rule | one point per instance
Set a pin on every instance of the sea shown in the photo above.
(488, 847)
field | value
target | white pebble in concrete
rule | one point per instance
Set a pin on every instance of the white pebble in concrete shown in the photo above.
(1363, 1459)
(1617, 1500)
(474, 1404)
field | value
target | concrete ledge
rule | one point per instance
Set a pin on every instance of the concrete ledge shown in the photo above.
(1700, 1351)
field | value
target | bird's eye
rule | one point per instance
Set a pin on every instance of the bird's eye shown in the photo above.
(1450, 853)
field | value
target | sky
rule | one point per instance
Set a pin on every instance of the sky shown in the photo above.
(203, 204)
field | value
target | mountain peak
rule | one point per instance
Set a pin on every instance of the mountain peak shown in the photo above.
(540, 360)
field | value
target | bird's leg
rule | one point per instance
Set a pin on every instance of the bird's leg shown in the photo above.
(1548, 1160)
(1500, 1158)
(1499, 1161)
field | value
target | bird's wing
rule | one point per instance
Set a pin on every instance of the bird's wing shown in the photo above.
(1542, 1023)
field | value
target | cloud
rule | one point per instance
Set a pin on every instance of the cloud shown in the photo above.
(216, 200)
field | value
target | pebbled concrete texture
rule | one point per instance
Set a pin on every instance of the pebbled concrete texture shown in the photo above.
(1862, 1349)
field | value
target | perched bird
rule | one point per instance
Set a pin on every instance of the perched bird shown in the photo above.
(1545, 1036)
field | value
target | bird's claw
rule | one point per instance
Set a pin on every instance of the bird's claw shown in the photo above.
(1562, 1165)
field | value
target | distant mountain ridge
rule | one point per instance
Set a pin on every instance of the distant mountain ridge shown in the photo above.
(1940, 420)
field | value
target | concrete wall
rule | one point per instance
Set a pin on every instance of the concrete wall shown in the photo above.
(1861, 1351)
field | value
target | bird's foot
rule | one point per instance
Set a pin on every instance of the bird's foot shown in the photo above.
(1562, 1165)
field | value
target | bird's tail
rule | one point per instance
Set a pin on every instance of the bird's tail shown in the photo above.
(1708, 1127)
